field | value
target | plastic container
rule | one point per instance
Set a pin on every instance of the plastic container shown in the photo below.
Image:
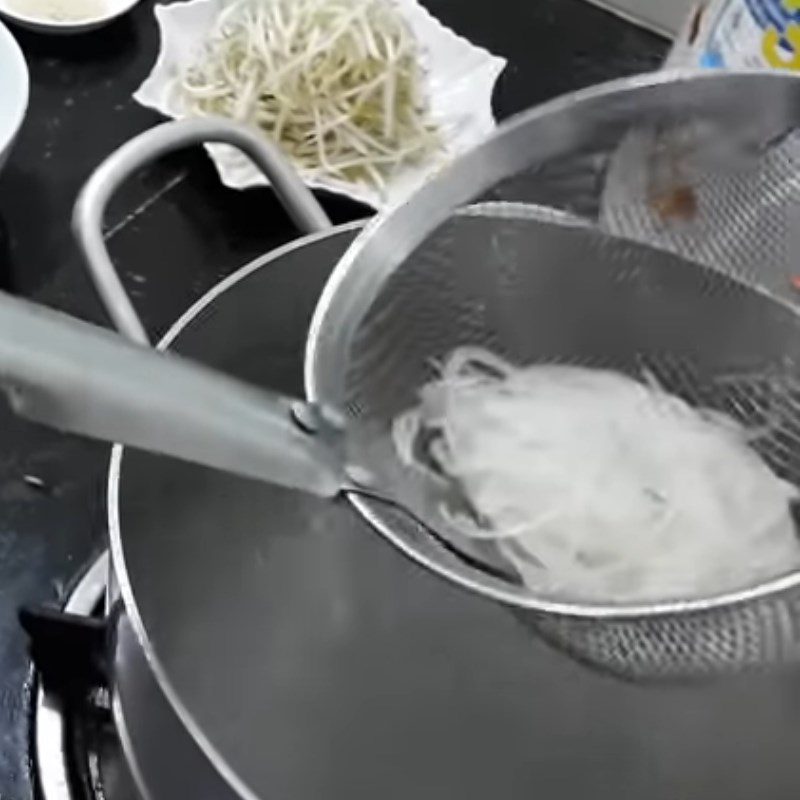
(740, 33)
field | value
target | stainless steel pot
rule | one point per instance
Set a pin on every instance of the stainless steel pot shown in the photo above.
(270, 645)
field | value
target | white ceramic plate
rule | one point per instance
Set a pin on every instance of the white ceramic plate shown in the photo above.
(459, 80)
(14, 86)
(13, 11)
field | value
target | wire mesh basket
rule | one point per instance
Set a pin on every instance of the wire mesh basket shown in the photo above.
(647, 223)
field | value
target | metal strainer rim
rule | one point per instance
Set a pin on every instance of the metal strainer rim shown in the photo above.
(370, 260)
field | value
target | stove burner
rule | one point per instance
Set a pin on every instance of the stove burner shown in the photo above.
(76, 752)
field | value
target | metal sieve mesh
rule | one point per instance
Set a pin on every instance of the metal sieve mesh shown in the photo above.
(676, 169)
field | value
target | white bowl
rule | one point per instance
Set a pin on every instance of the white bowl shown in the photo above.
(14, 86)
(13, 11)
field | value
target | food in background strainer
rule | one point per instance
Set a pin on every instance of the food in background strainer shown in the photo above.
(336, 83)
(596, 486)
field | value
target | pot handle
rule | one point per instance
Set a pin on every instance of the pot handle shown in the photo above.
(87, 219)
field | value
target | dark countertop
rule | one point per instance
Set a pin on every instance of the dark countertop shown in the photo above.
(174, 232)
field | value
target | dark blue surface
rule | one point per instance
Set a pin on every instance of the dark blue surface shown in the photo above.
(175, 232)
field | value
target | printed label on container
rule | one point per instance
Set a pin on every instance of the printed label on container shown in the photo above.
(754, 33)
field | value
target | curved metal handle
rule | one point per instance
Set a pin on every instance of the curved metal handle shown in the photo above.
(87, 220)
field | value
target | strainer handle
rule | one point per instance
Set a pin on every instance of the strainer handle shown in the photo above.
(85, 379)
(87, 220)
(81, 378)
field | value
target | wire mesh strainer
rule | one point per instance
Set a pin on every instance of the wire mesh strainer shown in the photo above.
(653, 158)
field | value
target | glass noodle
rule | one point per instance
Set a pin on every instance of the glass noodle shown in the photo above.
(594, 485)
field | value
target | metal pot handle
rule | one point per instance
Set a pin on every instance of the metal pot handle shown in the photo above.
(87, 219)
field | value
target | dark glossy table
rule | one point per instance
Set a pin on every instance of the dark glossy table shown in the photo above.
(174, 232)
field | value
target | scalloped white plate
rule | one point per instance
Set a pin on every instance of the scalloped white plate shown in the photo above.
(459, 77)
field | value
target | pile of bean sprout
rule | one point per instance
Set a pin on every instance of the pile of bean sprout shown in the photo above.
(596, 486)
(337, 84)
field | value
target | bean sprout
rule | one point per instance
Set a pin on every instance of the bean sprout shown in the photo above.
(336, 83)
